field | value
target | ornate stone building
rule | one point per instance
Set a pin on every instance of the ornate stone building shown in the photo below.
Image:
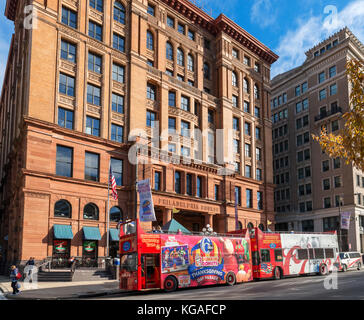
(83, 76)
(312, 189)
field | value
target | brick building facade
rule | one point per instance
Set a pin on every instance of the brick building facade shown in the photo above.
(82, 84)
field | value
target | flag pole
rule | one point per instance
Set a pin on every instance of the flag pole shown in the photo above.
(108, 208)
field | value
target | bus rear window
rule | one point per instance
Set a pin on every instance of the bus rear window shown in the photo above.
(278, 254)
(265, 255)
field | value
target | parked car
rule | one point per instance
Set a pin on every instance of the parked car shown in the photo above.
(350, 260)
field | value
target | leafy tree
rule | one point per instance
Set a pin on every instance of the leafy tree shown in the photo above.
(349, 143)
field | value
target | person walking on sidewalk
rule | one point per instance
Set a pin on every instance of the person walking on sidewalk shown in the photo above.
(14, 279)
(31, 265)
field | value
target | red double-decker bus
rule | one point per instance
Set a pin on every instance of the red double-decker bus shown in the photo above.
(174, 260)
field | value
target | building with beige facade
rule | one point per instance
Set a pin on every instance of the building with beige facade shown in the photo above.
(84, 79)
(312, 190)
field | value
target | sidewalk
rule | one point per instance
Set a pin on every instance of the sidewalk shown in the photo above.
(60, 290)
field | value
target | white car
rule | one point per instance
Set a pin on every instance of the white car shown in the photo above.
(350, 260)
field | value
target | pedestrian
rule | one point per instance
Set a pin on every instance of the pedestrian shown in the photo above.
(31, 265)
(14, 277)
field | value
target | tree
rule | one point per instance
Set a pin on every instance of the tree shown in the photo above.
(349, 143)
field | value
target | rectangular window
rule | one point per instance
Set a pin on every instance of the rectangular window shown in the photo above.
(260, 200)
(185, 152)
(258, 154)
(298, 107)
(185, 103)
(238, 195)
(321, 77)
(97, 4)
(278, 255)
(332, 71)
(322, 94)
(189, 184)
(236, 146)
(333, 89)
(319, 253)
(304, 87)
(258, 133)
(246, 61)
(118, 73)
(151, 92)
(337, 182)
(191, 35)
(69, 17)
(181, 28)
(172, 126)
(177, 182)
(95, 30)
(249, 198)
(185, 128)
(93, 95)
(170, 21)
(117, 133)
(248, 173)
(248, 152)
(304, 104)
(67, 85)
(335, 125)
(247, 128)
(157, 180)
(336, 162)
(257, 112)
(64, 161)
(65, 118)
(92, 162)
(151, 10)
(93, 126)
(171, 99)
(117, 103)
(199, 187)
(151, 118)
(216, 192)
(298, 91)
(68, 51)
(235, 101)
(117, 170)
(246, 107)
(302, 254)
(118, 42)
(327, 203)
(236, 124)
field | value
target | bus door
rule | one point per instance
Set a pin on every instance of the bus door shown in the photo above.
(150, 264)
(313, 267)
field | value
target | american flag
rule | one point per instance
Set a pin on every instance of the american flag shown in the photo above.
(113, 185)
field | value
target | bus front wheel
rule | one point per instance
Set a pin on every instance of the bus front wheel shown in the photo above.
(323, 270)
(170, 284)
(231, 278)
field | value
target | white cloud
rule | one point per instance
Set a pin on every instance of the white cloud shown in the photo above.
(309, 32)
(262, 13)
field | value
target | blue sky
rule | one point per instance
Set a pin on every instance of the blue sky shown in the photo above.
(288, 27)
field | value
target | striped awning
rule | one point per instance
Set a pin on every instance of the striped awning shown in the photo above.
(91, 233)
(114, 234)
(62, 231)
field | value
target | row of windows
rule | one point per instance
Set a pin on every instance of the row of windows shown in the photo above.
(280, 147)
(95, 30)
(281, 131)
(283, 194)
(246, 86)
(326, 183)
(303, 155)
(281, 163)
(246, 60)
(302, 139)
(249, 198)
(66, 120)
(301, 89)
(193, 185)
(323, 92)
(63, 209)
(328, 47)
(322, 75)
(336, 163)
(302, 106)
(358, 178)
(64, 165)
(279, 116)
(281, 179)
(276, 102)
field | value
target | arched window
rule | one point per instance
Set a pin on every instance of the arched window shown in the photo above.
(250, 225)
(116, 214)
(169, 51)
(240, 226)
(150, 40)
(63, 209)
(256, 92)
(119, 12)
(234, 79)
(91, 212)
(206, 71)
(261, 226)
(180, 57)
(246, 85)
(190, 63)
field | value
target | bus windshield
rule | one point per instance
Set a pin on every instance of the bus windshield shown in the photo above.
(128, 262)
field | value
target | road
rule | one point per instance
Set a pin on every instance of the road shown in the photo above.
(350, 286)
(2, 296)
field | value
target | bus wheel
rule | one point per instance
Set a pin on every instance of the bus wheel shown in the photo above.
(323, 269)
(359, 266)
(277, 273)
(344, 268)
(231, 278)
(170, 284)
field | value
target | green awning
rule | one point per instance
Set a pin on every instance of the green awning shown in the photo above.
(114, 234)
(173, 226)
(91, 233)
(62, 231)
